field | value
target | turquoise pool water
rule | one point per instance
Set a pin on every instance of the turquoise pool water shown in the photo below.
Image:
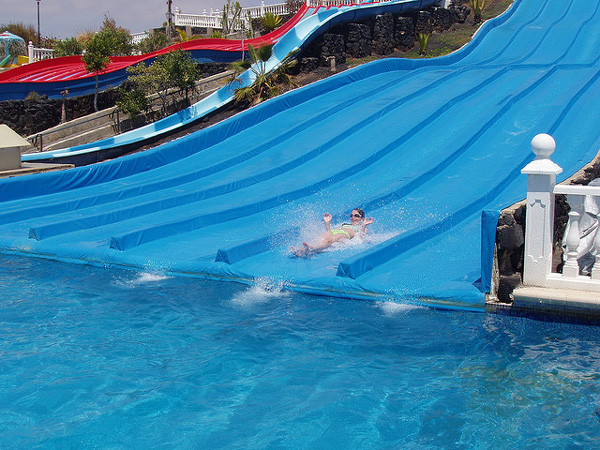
(94, 358)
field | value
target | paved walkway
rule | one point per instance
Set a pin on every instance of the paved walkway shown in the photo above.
(31, 168)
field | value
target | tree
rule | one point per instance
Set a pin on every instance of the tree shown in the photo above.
(133, 100)
(154, 42)
(68, 47)
(85, 37)
(181, 69)
(175, 69)
(232, 17)
(109, 41)
(266, 84)
(27, 32)
(97, 58)
(118, 38)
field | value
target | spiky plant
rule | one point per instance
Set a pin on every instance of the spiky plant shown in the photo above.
(266, 84)
(423, 40)
(270, 21)
(477, 6)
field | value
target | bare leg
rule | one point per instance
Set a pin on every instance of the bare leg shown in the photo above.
(325, 241)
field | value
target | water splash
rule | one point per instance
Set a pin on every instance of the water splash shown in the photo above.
(262, 291)
(391, 308)
(149, 277)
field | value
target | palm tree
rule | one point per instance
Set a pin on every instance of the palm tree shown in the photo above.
(270, 21)
(267, 83)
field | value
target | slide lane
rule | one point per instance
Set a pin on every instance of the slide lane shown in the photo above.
(270, 136)
(424, 155)
(302, 33)
(348, 124)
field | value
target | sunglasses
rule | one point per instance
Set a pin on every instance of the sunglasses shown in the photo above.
(356, 215)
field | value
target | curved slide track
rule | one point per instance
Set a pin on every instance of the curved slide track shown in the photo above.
(423, 146)
(316, 21)
(52, 76)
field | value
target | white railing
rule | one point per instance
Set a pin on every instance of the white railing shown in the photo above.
(38, 54)
(198, 20)
(136, 38)
(212, 18)
(539, 225)
(259, 11)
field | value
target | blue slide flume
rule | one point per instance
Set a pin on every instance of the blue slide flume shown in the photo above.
(423, 146)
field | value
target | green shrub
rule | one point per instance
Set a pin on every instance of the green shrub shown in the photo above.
(270, 21)
(133, 101)
(68, 47)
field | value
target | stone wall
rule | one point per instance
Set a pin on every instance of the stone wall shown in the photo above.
(404, 33)
(358, 40)
(333, 45)
(28, 117)
(383, 34)
(380, 35)
(510, 240)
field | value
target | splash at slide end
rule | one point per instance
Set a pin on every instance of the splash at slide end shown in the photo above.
(422, 146)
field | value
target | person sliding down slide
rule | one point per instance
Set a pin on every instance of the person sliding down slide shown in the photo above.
(357, 226)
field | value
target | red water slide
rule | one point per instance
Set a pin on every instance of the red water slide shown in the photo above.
(69, 68)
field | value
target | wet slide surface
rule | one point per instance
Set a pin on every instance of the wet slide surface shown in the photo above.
(423, 146)
(316, 21)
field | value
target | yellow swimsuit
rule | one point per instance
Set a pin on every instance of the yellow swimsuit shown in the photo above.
(341, 230)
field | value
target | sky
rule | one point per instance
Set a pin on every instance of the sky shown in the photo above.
(66, 18)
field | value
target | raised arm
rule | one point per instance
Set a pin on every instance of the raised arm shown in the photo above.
(327, 219)
(367, 221)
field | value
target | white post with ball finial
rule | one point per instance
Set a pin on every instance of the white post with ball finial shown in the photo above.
(541, 179)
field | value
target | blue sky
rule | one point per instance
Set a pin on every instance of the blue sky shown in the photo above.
(66, 18)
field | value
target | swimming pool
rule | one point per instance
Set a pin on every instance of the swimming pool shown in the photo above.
(96, 358)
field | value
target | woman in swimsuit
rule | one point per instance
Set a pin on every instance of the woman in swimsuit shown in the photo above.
(358, 225)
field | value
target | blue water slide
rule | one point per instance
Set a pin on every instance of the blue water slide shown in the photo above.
(430, 148)
(300, 35)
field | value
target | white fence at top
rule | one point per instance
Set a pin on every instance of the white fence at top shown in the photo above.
(212, 18)
(581, 269)
(136, 38)
(38, 54)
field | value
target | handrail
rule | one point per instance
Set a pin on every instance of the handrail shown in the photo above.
(37, 139)
(39, 54)
(539, 226)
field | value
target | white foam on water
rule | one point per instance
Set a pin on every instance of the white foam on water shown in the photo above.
(141, 278)
(149, 277)
(262, 291)
(390, 308)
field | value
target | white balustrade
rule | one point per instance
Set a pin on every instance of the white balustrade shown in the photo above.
(136, 38)
(213, 18)
(38, 54)
(539, 225)
(196, 20)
